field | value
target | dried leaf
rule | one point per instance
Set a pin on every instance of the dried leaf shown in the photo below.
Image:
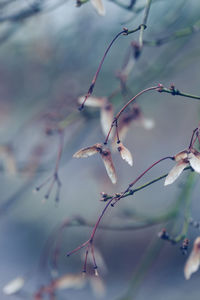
(108, 163)
(106, 118)
(93, 101)
(193, 262)
(175, 172)
(125, 154)
(98, 5)
(70, 281)
(14, 286)
(85, 152)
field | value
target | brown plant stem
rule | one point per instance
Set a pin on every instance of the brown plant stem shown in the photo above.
(125, 31)
(89, 242)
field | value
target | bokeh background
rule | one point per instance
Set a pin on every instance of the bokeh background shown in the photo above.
(47, 60)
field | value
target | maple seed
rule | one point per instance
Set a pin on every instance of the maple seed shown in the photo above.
(106, 118)
(125, 154)
(105, 155)
(85, 152)
(108, 163)
(93, 101)
(98, 5)
(188, 157)
(14, 286)
(193, 262)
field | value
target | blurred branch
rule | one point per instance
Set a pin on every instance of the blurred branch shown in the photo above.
(175, 35)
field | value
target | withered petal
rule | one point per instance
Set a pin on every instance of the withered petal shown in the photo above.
(108, 163)
(125, 154)
(193, 262)
(98, 5)
(85, 152)
(175, 172)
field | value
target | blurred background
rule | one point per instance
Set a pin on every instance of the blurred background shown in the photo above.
(49, 52)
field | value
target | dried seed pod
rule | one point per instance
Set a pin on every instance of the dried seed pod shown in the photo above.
(98, 5)
(93, 101)
(108, 163)
(193, 262)
(125, 154)
(106, 118)
(194, 160)
(176, 172)
(85, 152)
(98, 286)
(181, 156)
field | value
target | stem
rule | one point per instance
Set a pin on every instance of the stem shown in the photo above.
(149, 168)
(125, 106)
(176, 92)
(133, 191)
(144, 24)
(99, 68)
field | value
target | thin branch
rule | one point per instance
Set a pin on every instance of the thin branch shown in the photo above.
(125, 31)
(161, 89)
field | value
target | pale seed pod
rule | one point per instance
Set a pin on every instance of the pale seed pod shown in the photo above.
(93, 101)
(176, 172)
(98, 5)
(89, 151)
(14, 286)
(108, 163)
(194, 160)
(106, 118)
(75, 281)
(125, 154)
(193, 262)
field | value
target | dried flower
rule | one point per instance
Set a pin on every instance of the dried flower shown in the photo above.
(98, 5)
(184, 158)
(193, 262)
(105, 155)
(14, 286)
(125, 154)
